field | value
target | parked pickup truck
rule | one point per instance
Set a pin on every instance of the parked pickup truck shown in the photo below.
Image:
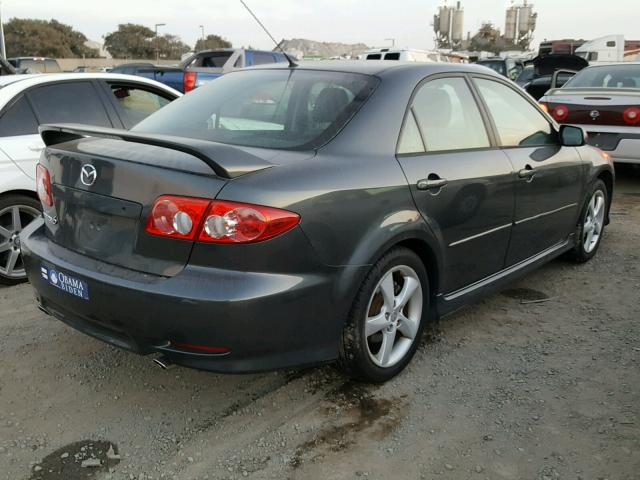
(201, 67)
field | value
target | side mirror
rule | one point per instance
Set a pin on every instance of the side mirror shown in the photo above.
(571, 136)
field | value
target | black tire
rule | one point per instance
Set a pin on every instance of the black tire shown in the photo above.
(579, 254)
(355, 358)
(6, 202)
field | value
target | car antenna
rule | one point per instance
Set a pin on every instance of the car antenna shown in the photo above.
(278, 45)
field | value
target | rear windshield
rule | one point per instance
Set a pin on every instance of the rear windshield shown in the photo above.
(495, 65)
(611, 76)
(287, 109)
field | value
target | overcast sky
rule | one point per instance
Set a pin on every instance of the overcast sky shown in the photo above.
(349, 21)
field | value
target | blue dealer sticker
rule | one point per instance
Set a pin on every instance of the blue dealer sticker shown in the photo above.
(71, 285)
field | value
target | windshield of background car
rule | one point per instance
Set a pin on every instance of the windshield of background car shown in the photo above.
(497, 66)
(284, 109)
(611, 76)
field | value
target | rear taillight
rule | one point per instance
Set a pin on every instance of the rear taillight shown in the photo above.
(176, 217)
(631, 115)
(217, 221)
(43, 185)
(232, 222)
(560, 112)
(189, 81)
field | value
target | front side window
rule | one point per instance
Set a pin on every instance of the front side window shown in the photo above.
(447, 116)
(137, 104)
(18, 119)
(283, 108)
(518, 122)
(374, 56)
(70, 102)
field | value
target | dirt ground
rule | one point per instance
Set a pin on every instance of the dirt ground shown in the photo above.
(541, 381)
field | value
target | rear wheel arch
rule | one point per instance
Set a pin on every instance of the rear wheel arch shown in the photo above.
(607, 177)
(26, 193)
(430, 261)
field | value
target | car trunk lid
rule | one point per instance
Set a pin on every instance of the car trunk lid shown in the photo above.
(593, 106)
(103, 191)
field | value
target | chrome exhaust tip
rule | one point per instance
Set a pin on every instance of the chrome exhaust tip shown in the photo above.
(163, 362)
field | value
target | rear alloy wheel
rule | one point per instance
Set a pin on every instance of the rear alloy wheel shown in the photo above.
(16, 212)
(386, 323)
(592, 222)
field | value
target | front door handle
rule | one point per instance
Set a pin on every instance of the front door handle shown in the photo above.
(36, 148)
(527, 172)
(431, 183)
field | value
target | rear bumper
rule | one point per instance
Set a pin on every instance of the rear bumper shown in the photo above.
(622, 143)
(267, 321)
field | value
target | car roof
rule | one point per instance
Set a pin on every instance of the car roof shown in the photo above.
(380, 68)
(31, 58)
(11, 85)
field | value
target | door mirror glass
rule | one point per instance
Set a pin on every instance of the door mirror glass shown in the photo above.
(571, 136)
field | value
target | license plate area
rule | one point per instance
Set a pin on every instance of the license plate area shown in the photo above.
(604, 141)
(94, 224)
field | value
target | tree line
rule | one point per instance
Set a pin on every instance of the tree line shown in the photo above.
(26, 37)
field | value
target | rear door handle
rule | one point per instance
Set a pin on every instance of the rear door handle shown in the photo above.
(36, 148)
(431, 184)
(527, 172)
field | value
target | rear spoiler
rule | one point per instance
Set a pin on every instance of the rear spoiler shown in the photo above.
(236, 162)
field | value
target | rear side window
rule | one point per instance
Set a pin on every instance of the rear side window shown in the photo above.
(410, 139)
(392, 56)
(136, 104)
(18, 119)
(448, 117)
(263, 58)
(71, 102)
(374, 56)
(518, 122)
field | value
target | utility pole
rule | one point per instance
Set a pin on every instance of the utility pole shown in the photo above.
(157, 46)
(202, 31)
(3, 50)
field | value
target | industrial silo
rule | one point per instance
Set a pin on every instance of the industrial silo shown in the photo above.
(510, 23)
(457, 24)
(525, 15)
(444, 20)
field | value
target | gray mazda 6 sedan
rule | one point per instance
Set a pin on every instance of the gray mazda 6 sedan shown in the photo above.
(287, 216)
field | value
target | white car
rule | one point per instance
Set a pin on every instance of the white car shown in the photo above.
(605, 101)
(26, 101)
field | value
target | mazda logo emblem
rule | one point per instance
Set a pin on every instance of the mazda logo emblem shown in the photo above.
(88, 175)
(594, 114)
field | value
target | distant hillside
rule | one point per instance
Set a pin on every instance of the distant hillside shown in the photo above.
(301, 47)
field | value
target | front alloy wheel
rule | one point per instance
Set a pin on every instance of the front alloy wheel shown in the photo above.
(387, 318)
(15, 214)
